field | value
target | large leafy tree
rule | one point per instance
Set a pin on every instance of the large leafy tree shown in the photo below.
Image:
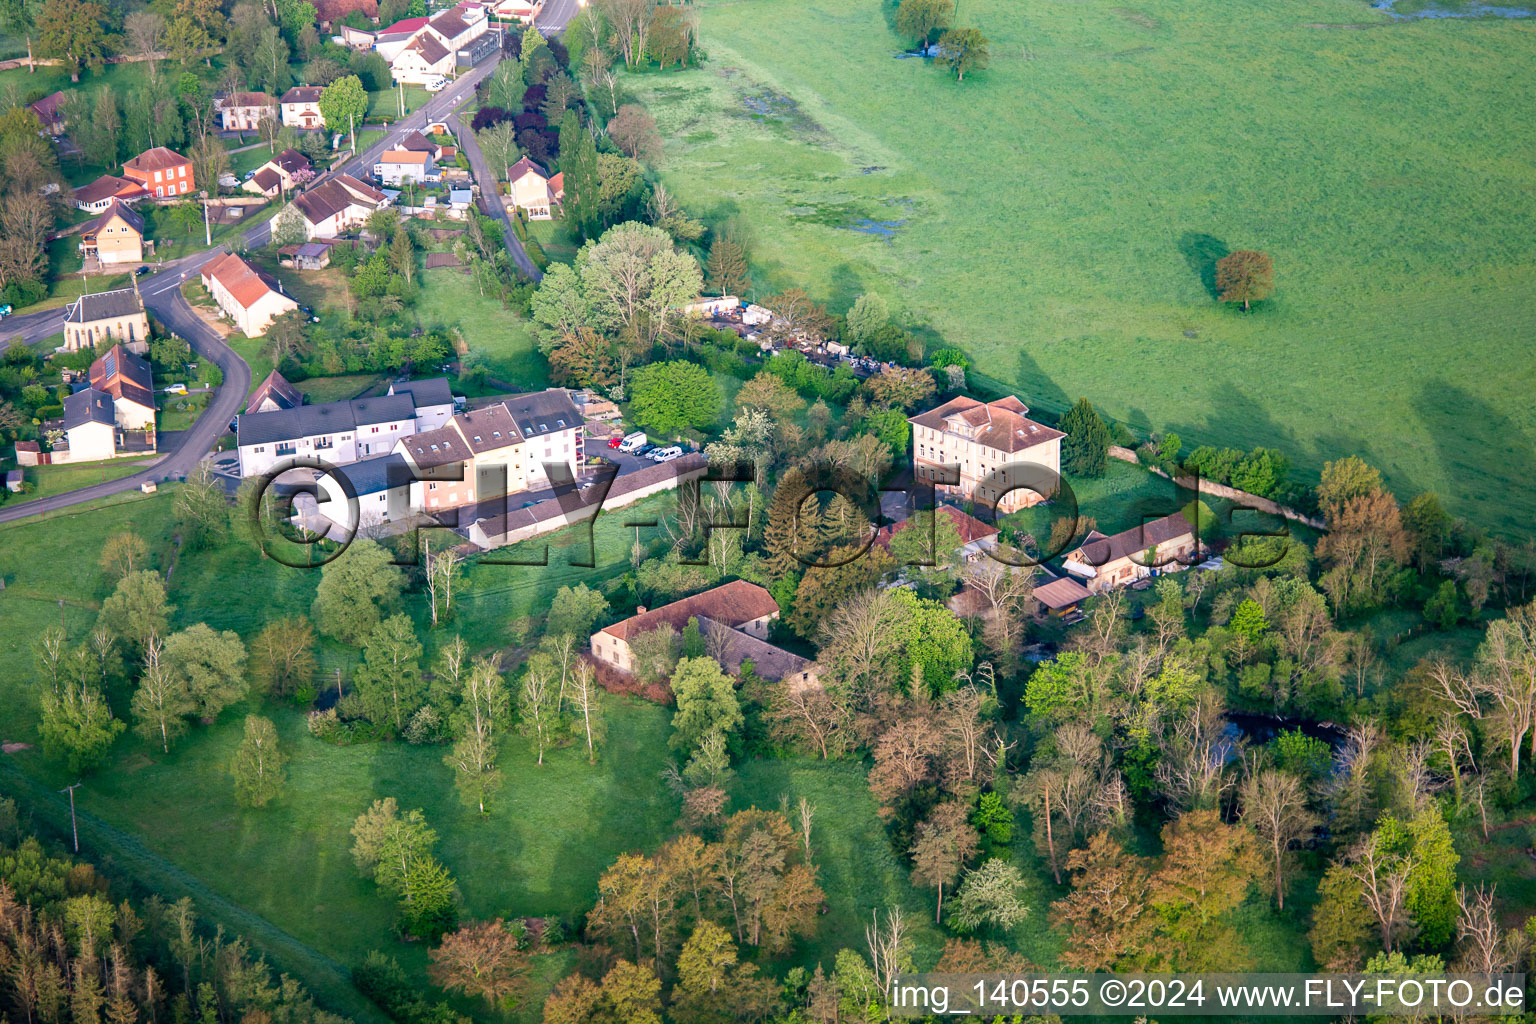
(671, 396)
(161, 703)
(706, 702)
(921, 19)
(636, 281)
(480, 960)
(963, 50)
(77, 725)
(1245, 276)
(389, 684)
(211, 666)
(72, 31)
(932, 638)
(343, 103)
(356, 589)
(137, 609)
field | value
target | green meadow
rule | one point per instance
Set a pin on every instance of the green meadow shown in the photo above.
(1059, 215)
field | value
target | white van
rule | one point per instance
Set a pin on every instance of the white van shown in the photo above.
(632, 441)
(436, 83)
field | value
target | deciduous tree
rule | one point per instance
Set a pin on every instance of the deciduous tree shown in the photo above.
(161, 702)
(963, 50)
(122, 554)
(480, 960)
(211, 665)
(258, 764)
(1245, 276)
(389, 683)
(945, 841)
(922, 19)
(72, 31)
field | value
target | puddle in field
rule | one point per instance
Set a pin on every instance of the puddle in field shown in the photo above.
(885, 229)
(1469, 10)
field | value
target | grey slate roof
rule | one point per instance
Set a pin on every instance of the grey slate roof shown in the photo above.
(374, 475)
(88, 406)
(542, 412)
(330, 418)
(425, 392)
(90, 308)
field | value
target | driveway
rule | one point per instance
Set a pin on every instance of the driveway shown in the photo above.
(492, 196)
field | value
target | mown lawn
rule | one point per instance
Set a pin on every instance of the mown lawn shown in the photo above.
(1059, 215)
(47, 480)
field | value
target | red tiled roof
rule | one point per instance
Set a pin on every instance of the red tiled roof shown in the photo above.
(123, 375)
(1100, 550)
(245, 284)
(970, 528)
(47, 108)
(1001, 425)
(403, 26)
(523, 166)
(157, 159)
(105, 187)
(734, 604)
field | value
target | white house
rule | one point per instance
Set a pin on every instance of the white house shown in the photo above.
(126, 381)
(381, 488)
(338, 432)
(532, 189)
(301, 107)
(391, 39)
(244, 111)
(398, 166)
(90, 425)
(339, 205)
(422, 59)
(432, 398)
(247, 296)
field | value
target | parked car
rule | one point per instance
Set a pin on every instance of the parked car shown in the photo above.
(141, 270)
(668, 454)
(175, 389)
(614, 442)
(644, 450)
(632, 442)
(5, 310)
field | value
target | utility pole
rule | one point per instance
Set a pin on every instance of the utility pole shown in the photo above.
(352, 131)
(207, 228)
(73, 828)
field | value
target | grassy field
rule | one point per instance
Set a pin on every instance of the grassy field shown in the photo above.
(449, 300)
(539, 852)
(47, 480)
(1059, 214)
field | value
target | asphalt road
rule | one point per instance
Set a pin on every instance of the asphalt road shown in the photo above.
(556, 14)
(29, 328)
(162, 297)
